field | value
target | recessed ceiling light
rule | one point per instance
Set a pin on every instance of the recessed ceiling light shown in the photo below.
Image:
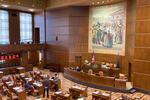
(103, 2)
(33, 5)
(93, 3)
(18, 3)
(31, 10)
(98, 2)
(4, 5)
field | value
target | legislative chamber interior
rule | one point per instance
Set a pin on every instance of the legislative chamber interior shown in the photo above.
(74, 50)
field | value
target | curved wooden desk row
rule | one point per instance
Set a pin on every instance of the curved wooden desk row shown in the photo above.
(106, 83)
(15, 69)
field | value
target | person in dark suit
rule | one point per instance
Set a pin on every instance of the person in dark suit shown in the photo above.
(78, 69)
(27, 85)
(46, 85)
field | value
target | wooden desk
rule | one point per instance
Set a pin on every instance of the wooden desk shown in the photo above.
(137, 96)
(1, 98)
(39, 87)
(1, 74)
(37, 72)
(120, 83)
(77, 91)
(23, 75)
(60, 96)
(42, 76)
(6, 79)
(90, 79)
(108, 70)
(29, 79)
(101, 96)
(20, 70)
(10, 84)
(20, 91)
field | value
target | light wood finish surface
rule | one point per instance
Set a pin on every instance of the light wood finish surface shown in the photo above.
(95, 80)
(141, 73)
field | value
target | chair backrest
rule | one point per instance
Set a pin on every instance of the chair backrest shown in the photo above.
(14, 78)
(31, 74)
(1, 97)
(59, 98)
(8, 93)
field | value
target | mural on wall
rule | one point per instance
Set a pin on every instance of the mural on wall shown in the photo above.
(107, 28)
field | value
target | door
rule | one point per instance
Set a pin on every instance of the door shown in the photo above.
(37, 35)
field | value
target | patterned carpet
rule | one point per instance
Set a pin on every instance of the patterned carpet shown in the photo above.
(66, 84)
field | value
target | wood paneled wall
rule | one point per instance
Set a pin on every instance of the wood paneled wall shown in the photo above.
(141, 68)
(14, 27)
(33, 57)
(57, 22)
(39, 22)
(70, 26)
(67, 36)
(78, 29)
(24, 59)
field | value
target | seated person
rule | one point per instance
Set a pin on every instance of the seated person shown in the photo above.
(86, 66)
(18, 82)
(87, 63)
(94, 65)
(27, 85)
(101, 74)
(78, 69)
(90, 72)
(30, 89)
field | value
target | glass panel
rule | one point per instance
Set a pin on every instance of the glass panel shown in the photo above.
(25, 27)
(4, 27)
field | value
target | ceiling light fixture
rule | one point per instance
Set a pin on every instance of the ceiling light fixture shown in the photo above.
(18, 3)
(33, 5)
(103, 2)
(31, 10)
(98, 2)
(5, 6)
(93, 3)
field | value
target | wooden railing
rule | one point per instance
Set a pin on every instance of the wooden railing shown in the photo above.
(21, 47)
(104, 82)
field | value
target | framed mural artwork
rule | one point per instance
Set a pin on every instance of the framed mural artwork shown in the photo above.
(107, 29)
